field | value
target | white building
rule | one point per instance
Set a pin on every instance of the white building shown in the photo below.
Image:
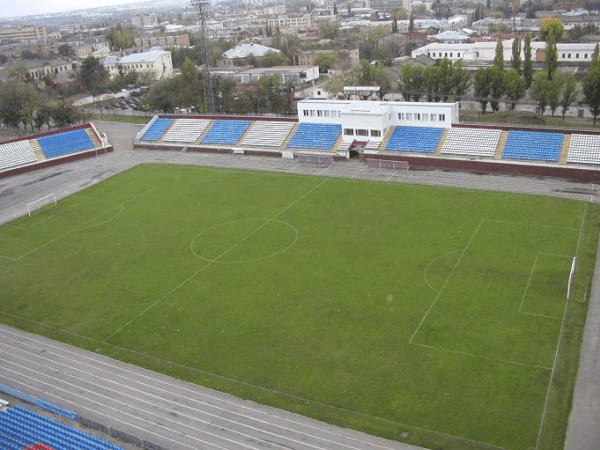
(156, 62)
(247, 50)
(291, 23)
(484, 52)
(292, 74)
(369, 120)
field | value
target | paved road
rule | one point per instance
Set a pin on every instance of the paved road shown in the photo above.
(180, 415)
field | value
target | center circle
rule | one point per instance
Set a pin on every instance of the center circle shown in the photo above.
(245, 240)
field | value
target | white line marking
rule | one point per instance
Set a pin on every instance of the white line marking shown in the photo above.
(437, 297)
(209, 264)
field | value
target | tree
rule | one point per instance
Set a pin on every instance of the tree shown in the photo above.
(411, 23)
(461, 80)
(411, 83)
(528, 62)
(67, 51)
(499, 57)
(329, 30)
(497, 87)
(595, 55)
(568, 94)
(516, 55)
(482, 87)
(64, 114)
(93, 76)
(120, 38)
(10, 103)
(325, 61)
(552, 31)
(555, 88)
(540, 91)
(591, 90)
(514, 87)
(374, 75)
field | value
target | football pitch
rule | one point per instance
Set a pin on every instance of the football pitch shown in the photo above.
(433, 316)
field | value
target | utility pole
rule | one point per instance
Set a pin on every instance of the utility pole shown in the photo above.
(201, 7)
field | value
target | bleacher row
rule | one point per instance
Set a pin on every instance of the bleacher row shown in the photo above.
(23, 428)
(459, 141)
(28, 151)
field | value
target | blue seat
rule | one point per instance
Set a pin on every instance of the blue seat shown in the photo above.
(61, 144)
(226, 131)
(533, 146)
(414, 139)
(157, 129)
(315, 136)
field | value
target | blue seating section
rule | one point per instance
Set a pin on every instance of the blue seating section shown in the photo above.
(156, 130)
(414, 139)
(21, 427)
(226, 131)
(533, 146)
(65, 143)
(37, 402)
(315, 136)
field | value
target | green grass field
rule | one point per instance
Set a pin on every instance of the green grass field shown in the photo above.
(427, 315)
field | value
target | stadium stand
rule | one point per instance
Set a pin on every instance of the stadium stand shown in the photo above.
(226, 131)
(65, 143)
(16, 153)
(533, 146)
(267, 133)
(471, 142)
(584, 149)
(156, 129)
(186, 130)
(414, 139)
(313, 136)
(21, 427)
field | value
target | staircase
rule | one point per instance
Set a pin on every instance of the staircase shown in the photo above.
(289, 136)
(564, 153)
(501, 143)
(386, 139)
(93, 137)
(438, 149)
(37, 150)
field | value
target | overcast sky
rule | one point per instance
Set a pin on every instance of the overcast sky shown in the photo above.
(11, 8)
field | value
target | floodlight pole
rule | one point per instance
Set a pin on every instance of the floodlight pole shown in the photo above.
(201, 7)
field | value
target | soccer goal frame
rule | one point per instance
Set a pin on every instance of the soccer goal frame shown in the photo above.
(45, 200)
(314, 160)
(387, 164)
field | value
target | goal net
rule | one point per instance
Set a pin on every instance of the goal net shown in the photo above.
(45, 200)
(315, 160)
(387, 164)
(571, 277)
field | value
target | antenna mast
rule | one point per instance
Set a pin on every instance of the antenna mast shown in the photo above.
(201, 7)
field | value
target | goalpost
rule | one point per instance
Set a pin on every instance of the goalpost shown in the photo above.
(571, 277)
(314, 160)
(45, 200)
(387, 164)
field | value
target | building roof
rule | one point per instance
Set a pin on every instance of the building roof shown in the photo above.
(451, 36)
(246, 50)
(135, 58)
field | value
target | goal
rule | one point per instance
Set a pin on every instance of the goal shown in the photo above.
(387, 164)
(315, 160)
(45, 200)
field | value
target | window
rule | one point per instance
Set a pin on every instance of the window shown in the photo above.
(450, 54)
(442, 117)
(319, 113)
(400, 116)
(458, 54)
(375, 133)
(576, 55)
(569, 56)
(425, 116)
(348, 131)
(326, 113)
(585, 55)
(408, 116)
(417, 116)
(361, 132)
(306, 113)
(446, 54)
(563, 56)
